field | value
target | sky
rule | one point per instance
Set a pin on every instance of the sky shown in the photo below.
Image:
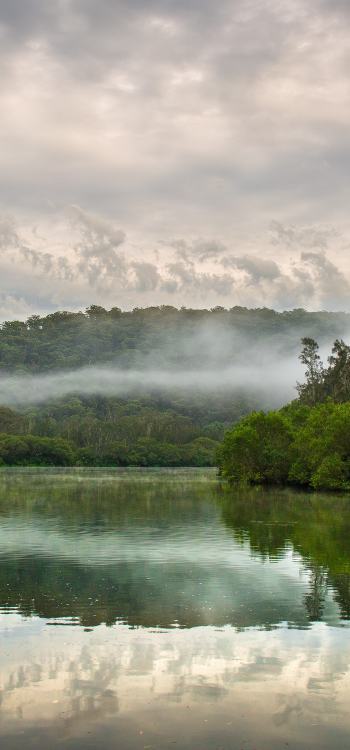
(182, 152)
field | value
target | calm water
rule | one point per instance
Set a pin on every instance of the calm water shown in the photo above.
(145, 610)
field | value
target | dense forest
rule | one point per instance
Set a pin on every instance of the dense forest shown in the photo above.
(68, 340)
(306, 443)
(167, 426)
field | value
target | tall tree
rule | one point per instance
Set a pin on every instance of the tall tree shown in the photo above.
(337, 376)
(311, 391)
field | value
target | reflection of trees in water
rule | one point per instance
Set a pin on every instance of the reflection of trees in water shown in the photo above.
(315, 526)
(150, 594)
(341, 585)
(315, 598)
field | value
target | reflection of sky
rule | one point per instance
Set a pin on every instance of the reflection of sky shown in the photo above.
(44, 538)
(213, 645)
(194, 573)
(67, 683)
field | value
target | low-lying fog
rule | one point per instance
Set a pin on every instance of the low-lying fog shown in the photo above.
(214, 359)
(274, 382)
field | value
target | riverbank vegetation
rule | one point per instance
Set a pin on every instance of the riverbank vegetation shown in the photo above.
(307, 443)
(99, 431)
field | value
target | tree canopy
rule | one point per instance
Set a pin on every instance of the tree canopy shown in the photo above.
(306, 443)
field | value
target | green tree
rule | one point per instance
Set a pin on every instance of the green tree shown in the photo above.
(310, 392)
(257, 450)
(337, 375)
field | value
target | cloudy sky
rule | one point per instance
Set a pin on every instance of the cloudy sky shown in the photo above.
(183, 152)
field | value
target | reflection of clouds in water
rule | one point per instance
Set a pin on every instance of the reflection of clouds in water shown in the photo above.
(22, 535)
(286, 678)
(124, 576)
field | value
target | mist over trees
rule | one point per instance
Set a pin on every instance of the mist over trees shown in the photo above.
(172, 425)
(67, 340)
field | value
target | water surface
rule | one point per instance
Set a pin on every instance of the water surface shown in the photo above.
(159, 609)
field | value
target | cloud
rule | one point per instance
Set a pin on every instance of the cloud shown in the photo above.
(332, 283)
(170, 119)
(95, 260)
(147, 277)
(98, 247)
(14, 307)
(297, 237)
(12, 243)
(8, 234)
(172, 112)
(201, 250)
(189, 280)
(256, 268)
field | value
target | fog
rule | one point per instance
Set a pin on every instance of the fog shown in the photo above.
(273, 383)
(199, 357)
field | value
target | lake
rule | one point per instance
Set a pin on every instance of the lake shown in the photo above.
(154, 609)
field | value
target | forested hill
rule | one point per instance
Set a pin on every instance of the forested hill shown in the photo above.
(170, 425)
(67, 340)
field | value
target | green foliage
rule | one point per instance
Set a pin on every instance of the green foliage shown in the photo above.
(331, 474)
(275, 448)
(325, 382)
(107, 432)
(10, 422)
(307, 443)
(311, 391)
(28, 450)
(321, 448)
(257, 450)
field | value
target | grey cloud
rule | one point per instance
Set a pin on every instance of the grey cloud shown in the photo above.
(311, 281)
(333, 285)
(181, 271)
(188, 278)
(8, 234)
(26, 20)
(15, 306)
(336, 8)
(169, 286)
(311, 236)
(185, 272)
(18, 249)
(44, 261)
(98, 247)
(190, 84)
(12, 243)
(147, 277)
(257, 268)
(199, 249)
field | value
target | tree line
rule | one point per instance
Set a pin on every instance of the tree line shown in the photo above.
(99, 431)
(67, 340)
(306, 443)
